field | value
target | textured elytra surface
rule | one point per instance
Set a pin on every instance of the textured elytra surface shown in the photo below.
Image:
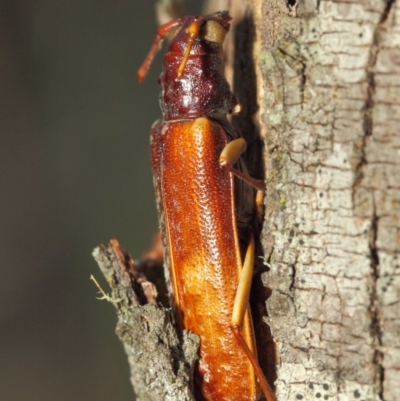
(331, 82)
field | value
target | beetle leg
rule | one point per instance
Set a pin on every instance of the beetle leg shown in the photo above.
(239, 310)
(259, 205)
(230, 154)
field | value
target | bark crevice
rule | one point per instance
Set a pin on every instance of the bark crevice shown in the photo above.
(375, 328)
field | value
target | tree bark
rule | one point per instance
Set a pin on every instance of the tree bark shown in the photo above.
(161, 361)
(326, 76)
(331, 88)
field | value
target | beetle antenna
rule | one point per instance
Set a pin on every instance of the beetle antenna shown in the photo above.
(162, 32)
(193, 33)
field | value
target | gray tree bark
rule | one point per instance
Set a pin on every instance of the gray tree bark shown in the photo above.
(330, 74)
(326, 76)
(161, 361)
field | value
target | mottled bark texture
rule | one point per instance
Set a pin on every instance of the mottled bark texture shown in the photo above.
(161, 364)
(330, 75)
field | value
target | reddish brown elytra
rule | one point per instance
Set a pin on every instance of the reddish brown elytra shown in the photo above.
(206, 205)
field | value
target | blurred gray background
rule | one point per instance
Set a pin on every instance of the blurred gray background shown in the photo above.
(74, 172)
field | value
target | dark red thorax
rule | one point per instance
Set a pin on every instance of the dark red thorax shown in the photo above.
(202, 89)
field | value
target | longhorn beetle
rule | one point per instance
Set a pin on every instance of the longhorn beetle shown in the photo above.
(206, 203)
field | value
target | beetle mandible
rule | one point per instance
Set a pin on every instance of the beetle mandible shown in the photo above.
(206, 206)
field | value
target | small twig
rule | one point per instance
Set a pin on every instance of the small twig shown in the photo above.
(104, 296)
